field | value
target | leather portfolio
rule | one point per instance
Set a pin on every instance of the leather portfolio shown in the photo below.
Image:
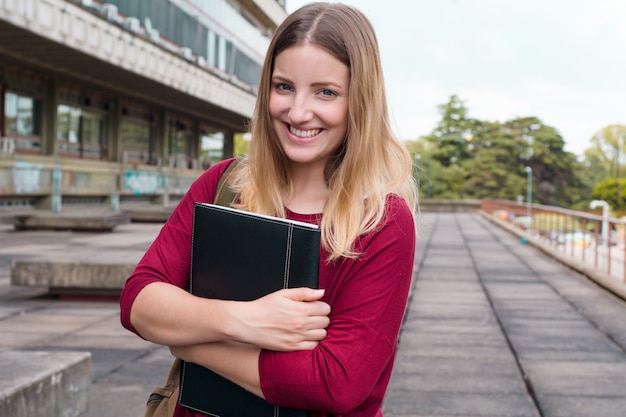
(237, 255)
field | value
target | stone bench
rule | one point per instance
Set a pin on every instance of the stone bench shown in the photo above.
(43, 384)
(72, 277)
(38, 220)
(148, 214)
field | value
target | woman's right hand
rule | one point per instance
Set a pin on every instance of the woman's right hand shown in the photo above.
(286, 320)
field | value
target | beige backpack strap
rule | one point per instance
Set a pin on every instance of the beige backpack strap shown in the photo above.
(224, 195)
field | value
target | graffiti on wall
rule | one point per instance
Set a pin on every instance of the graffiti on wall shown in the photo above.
(142, 182)
(26, 177)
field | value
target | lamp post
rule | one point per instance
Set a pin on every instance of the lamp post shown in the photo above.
(529, 194)
(605, 218)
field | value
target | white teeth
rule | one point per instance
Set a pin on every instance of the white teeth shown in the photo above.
(303, 133)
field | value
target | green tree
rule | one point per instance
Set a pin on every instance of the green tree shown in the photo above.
(452, 133)
(241, 144)
(608, 146)
(495, 171)
(418, 151)
(553, 167)
(471, 158)
(607, 190)
(604, 159)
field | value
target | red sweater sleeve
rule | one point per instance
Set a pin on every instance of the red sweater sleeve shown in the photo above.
(348, 373)
(168, 259)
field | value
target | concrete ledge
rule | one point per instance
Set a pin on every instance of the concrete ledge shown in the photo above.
(149, 214)
(44, 384)
(37, 220)
(449, 206)
(71, 277)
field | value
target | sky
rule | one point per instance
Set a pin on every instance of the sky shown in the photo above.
(563, 62)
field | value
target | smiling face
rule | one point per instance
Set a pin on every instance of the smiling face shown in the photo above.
(308, 103)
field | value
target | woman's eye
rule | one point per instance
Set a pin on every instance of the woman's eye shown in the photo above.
(283, 87)
(328, 93)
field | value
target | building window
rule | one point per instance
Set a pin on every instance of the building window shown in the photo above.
(81, 133)
(68, 130)
(94, 135)
(211, 147)
(217, 30)
(22, 116)
(179, 139)
(138, 136)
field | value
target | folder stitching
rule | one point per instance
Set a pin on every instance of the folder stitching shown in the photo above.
(288, 256)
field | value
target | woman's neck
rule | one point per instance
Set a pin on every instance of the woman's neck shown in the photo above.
(309, 190)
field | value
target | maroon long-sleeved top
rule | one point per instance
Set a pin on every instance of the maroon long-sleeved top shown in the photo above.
(348, 373)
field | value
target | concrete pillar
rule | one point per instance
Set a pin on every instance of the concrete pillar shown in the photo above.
(196, 142)
(161, 133)
(229, 144)
(114, 201)
(53, 201)
(162, 152)
(114, 130)
(114, 138)
(49, 106)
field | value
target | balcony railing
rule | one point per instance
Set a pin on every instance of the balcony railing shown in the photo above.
(591, 241)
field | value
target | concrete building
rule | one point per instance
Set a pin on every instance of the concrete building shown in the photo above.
(126, 99)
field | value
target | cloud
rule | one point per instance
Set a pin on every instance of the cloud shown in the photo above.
(576, 112)
(413, 106)
(495, 46)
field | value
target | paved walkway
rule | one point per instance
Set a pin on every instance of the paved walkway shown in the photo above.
(494, 327)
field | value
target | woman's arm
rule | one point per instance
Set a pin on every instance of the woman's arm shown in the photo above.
(353, 363)
(237, 362)
(286, 320)
(351, 367)
(155, 304)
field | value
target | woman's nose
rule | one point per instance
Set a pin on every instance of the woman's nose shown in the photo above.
(301, 109)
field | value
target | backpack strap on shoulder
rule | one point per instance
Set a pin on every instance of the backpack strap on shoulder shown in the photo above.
(224, 195)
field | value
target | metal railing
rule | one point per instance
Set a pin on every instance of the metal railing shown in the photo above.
(595, 241)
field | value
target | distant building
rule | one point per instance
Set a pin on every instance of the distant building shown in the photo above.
(132, 98)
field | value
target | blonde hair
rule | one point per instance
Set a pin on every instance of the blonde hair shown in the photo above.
(370, 164)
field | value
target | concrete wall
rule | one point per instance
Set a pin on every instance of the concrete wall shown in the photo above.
(39, 180)
(449, 206)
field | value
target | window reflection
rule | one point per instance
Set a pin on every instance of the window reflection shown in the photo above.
(22, 114)
(211, 148)
(216, 30)
(180, 139)
(138, 130)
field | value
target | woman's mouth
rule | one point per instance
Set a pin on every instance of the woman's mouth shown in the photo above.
(304, 133)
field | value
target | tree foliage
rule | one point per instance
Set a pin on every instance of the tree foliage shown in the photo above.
(604, 166)
(607, 149)
(613, 191)
(241, 145)
(470, 158)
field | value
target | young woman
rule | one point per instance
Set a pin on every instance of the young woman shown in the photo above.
(321, 152)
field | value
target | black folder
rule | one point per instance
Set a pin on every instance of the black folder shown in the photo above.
(237, 255)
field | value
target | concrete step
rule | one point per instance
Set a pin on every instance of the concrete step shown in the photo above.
(148, 213)
(72, 277)
(71, 220)
(70, 262)
(43, 384)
